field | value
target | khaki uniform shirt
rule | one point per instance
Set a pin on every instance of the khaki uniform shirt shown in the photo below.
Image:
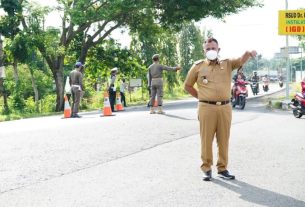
(76, 78)
(155, 71)
(218, 75)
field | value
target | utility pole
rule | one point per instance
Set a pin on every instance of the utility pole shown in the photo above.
(287, 63)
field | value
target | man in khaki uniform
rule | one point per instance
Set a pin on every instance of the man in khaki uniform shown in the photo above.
(213, 79)
(155, 82)
(76, 83)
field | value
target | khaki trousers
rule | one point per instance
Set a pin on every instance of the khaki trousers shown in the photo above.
(214, 120)
(76, 96)
(156, 89)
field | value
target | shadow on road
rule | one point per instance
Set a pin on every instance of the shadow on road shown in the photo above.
(253, 194)
(179, 117)
(167, 106)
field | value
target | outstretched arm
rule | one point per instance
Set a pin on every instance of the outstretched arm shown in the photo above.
(171, 68)
(245, 57)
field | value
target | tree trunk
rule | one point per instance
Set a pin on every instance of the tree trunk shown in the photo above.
(3, 92)
(56, 65)
(58, 75)
(83, 55)
(15, 66)
(2, 88)
(35, 90)
(59, 81)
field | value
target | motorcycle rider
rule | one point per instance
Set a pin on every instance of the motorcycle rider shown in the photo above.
(281, 80)
(255, 79)
(265, 80)
(235, 78)
(239, 81)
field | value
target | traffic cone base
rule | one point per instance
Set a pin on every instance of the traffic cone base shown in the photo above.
(67, 109)
(119, 105)
(107, 108)
(156, 102)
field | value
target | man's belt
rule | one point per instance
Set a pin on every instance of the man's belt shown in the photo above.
(216, 102)
(77, 86)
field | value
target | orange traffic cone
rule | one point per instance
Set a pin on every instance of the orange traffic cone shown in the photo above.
(156, 102)
(67, 110)
(107, 108)
(119, 106)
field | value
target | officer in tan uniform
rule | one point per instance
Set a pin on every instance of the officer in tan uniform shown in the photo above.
(76, 83)
(213, 79)
(155, 82)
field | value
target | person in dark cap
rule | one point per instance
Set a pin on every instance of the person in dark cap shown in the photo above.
(76, 83)
(112, 88)
(156, 82)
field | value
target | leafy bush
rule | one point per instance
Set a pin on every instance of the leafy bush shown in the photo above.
(30, 106)
(48, 103)
(16, 100)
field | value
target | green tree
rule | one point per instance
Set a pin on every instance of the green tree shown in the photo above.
(161, 41)
(109, 55)
(174, 12)
(190, 47)
(81, 16)
(168, 50)
(9, 25)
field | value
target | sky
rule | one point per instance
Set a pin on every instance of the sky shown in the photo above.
(252, 29)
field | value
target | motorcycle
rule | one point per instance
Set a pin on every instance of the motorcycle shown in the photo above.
(266, 85)
(298, 105)
(240, 94)
(254, 88)
(265, 81)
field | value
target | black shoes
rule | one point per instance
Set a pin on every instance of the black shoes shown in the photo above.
(226, 175)
(75, 116)
(207, 176)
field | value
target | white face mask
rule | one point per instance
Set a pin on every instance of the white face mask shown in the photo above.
(211, 54)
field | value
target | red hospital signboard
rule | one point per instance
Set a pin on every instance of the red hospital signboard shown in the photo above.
(292, 22)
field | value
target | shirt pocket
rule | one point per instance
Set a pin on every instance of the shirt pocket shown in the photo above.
(204, 73)
(223, 75)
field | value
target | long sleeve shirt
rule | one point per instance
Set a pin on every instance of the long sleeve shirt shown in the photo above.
(76, 79)
(155, 70)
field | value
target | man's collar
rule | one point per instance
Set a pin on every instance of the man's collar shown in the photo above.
(210, 62)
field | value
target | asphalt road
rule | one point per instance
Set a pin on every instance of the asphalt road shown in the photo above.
(138, 159)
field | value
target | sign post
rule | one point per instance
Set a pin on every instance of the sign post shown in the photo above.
(290, 22)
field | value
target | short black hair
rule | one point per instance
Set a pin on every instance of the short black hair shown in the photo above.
(155, 58)
(211, 39)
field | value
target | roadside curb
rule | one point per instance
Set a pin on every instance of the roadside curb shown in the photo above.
(171, 102)
(266, 94)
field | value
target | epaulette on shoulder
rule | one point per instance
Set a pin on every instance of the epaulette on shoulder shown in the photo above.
(222, 60)
(198, 62)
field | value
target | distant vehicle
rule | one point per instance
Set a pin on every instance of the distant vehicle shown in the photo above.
(273, 78)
